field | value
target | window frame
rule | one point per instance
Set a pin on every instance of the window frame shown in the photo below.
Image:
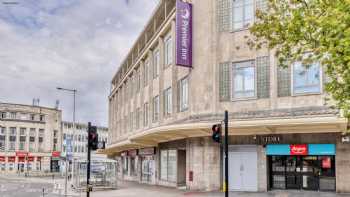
(293, 93)
(182, 106)
(168, 52)
(232, 85)
(155, 117)
(156, 62)
(245, 27)
(168, 101)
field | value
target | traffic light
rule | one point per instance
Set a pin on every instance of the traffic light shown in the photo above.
(93, 138)
(216, 133)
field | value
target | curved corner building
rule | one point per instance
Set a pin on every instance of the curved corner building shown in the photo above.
(189, 65)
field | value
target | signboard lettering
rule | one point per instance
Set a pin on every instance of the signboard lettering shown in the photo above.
(183, 34)
(298, 149)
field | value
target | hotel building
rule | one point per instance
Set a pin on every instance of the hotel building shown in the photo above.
(190, 64)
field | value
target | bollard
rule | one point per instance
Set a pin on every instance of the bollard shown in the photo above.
(43, 192)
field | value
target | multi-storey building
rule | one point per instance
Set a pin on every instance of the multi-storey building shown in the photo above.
(78, 140)
(281, 133)
(30, 138)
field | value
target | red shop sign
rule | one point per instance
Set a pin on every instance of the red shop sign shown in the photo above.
(21, 159)
(298, 149)
(21, 154)
(56, 154)
(2, 159)
(11, 159)
(30, 159)
(326, 162)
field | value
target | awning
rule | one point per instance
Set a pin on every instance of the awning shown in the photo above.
(152, 137)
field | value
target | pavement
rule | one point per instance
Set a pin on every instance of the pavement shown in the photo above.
(13, 186)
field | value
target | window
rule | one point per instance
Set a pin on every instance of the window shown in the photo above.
(184, 94)
(243, 13)
(168, 165)
(156, 62)
(32, 136)
(145, 114)
(167, 102)
(155, 108)
(12, 139)
(138, 112)
(13, 115)
(42, 118)
(22, 138)
(2, 139)
(306, 78)
(145, 73)
(3, 115)
(41, 140)
(168, 51)
(243, 80)
(138, 80)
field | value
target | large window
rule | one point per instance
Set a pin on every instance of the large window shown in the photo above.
(306, 78)
(22, 138)
(243, 80)
(145, 73)
(184, 94)
(168, 165)
(13, 134)
(156, 62)
(168, 51)
(145, 114)
(41, 140)
(167, 102)
(2, 139)
(32, 136)
(243, 13)
(155, 109)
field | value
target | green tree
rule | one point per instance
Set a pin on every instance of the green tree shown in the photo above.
(318, 28)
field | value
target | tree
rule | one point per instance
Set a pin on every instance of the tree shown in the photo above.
(310, 31)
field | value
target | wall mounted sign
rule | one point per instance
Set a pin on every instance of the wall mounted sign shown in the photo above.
(11, 159)
(269, 139)
(298, 149)
(183, 34)
(326, 162)
(147, 151)
(21, 154)
(56, 154)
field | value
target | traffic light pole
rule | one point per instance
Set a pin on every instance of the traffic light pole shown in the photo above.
(88, 166)
(226, 154)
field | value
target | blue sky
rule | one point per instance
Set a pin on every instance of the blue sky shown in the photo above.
(68, 43)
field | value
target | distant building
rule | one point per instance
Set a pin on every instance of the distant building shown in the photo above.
(78, 138)
(30, 138)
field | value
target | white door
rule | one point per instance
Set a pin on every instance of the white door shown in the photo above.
(235, 179)
(250, 171)
(243, 170)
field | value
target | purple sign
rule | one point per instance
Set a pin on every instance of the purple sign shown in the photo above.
(183, 34)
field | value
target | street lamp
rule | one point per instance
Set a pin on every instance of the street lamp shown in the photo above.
(74, 91)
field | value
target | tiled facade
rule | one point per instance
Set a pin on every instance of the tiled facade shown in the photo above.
(30, 138)
(158, 105)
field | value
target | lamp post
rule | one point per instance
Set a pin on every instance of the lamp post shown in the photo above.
(74, 91)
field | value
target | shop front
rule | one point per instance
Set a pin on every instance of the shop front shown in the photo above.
(2, 163)
(147, 156)
(55, 159)
(302, 166)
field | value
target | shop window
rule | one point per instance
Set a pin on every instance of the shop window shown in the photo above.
(168, 165)
(133, 167)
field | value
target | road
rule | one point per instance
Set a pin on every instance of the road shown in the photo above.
(25, 187)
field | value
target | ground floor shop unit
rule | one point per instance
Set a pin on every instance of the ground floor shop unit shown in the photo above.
(299, 161)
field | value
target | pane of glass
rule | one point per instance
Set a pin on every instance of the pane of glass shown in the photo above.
(249, 80)
(238, 80)
(172, 163)
(163, 165)
(306, 79)
(248, 12)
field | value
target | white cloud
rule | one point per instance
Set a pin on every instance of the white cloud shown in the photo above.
(73, 44)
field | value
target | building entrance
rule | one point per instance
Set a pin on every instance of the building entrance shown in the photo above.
(302, 172)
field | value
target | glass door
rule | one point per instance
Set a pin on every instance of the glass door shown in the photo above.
(293, 168)
(310, 172)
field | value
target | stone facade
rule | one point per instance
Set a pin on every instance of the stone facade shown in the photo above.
(275, 107)
(36, 132)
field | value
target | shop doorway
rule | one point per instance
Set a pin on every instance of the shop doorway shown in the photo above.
(302, 172)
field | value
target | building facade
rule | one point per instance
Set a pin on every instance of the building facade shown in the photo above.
(30, 138)
(78, 138)
(282, 135)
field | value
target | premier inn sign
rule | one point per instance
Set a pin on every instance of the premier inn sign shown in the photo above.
(183, 34)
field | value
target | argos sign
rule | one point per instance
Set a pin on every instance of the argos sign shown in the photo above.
(183, 34)
(298, 149)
